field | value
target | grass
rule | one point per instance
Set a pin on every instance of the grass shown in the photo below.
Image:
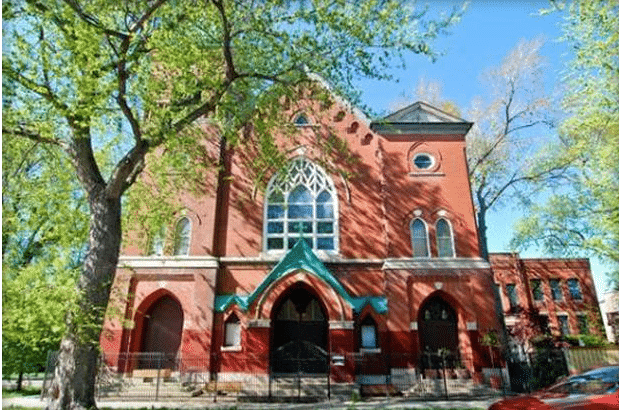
(25, 391)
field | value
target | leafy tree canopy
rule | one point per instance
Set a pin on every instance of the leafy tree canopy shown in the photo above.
(582, 217)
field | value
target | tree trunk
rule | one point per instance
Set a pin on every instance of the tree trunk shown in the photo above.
(483, 239)
(73, 386)
(20, 380)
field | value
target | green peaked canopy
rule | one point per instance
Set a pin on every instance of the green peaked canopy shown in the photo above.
(301, 257)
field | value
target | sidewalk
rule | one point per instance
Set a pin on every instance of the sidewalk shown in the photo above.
(481, 403)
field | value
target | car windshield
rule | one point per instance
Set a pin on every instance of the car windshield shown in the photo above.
(595, 382)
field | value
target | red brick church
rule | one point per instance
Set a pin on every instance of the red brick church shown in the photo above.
(319, 269)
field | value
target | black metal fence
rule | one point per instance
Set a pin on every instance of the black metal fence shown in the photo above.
(157, 377)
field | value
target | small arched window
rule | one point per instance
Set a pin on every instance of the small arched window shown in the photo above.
(301, 120)
(182, 235)
(419, 238)
(157, 243)
(369, 337)
(444, 239)
(232, 331)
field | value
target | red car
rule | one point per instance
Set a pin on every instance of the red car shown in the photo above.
(596, 390)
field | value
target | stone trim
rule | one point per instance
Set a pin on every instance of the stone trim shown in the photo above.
(238, 348)
(341, 324)
(168, 262)
(436, 263)
(414, 326)
(264, 323)
(471, 326)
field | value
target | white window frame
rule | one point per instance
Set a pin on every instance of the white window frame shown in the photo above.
(176, 250)
(368, 327)
(425, 227)
(316, 181)
(452, 241)
(232, 333)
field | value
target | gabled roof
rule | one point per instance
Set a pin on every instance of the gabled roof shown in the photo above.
(421, 118)
(301, 257)
(421, 112)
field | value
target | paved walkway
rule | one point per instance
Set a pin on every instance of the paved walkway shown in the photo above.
(482, 403)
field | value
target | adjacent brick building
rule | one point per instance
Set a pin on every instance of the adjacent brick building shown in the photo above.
(552, 296)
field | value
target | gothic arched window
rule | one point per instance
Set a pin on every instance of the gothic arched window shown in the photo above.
(419, 238)
(444, 239)
(182, 235)
(300, 202)
(369, 335)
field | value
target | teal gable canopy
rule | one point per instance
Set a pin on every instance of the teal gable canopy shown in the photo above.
(301, 257)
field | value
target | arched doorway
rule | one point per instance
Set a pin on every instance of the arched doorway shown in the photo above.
(438, 326)
(161, 334)
(300, 334)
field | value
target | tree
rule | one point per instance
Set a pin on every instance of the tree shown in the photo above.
(139, 74)
(44, 230)
(583, 216)
(501, 155)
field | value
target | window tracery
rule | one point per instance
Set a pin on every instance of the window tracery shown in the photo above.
(301, 202)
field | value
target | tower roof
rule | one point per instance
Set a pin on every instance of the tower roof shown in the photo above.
(421, 118)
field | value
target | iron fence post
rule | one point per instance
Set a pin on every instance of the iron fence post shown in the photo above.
(158, 376)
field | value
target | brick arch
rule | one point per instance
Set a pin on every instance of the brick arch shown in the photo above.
(461, 312)
(336, 307)
(141, 323)
(464, 341)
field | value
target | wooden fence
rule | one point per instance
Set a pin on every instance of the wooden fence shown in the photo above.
(580, 359)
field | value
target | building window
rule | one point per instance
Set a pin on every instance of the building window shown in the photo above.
(512, 296)
(182, 235)
(574, 288)
(564, 326)
(157, 243)
(544, 324)
(555, 289)
(301, 202)
(301, 120)
(419, 238)
(583, 324)
(423, 161)
(232, 331)
(536, 289)
(444, 239)
(368, 334)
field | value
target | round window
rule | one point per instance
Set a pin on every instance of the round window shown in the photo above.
(423, 161)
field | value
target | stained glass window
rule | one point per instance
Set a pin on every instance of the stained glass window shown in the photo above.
(301, 203)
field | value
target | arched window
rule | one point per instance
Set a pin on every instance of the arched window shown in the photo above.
(232, 331)
(157, 243)
(182, 235)
(444, 239)
(300, 202)
(419, 238)
(369, 338)
(301, 120)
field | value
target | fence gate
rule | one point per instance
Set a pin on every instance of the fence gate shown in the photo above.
(299, 371)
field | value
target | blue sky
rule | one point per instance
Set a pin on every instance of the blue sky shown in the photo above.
(487, 31)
